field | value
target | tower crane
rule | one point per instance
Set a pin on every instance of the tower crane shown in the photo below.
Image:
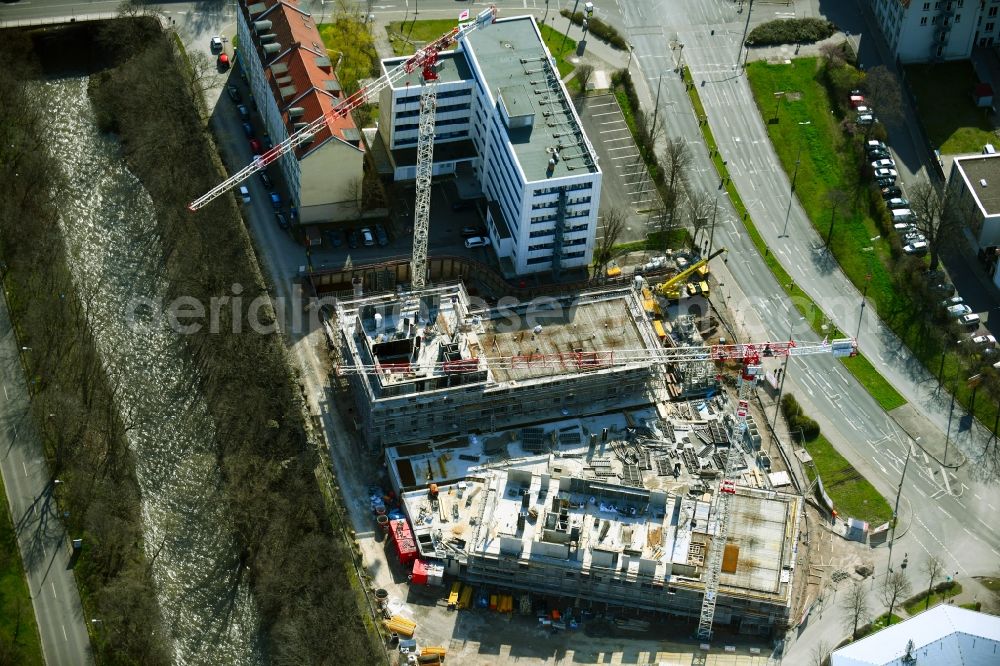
(749, 355)
(424, 59)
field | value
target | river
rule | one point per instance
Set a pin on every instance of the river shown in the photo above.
(110, 231)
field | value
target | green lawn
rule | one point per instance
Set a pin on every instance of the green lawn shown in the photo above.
(917, 605)
(17, 618)
(877, 624)
(852, 494)
(560, 48)
(944, 103)
(883, 392)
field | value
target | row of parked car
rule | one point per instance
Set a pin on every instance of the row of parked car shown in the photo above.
(865, 115)
(355, 238)
(903, 219)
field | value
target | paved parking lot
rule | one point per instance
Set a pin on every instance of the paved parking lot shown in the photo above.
(626, 184)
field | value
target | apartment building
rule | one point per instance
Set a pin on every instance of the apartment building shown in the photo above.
(505, 119)
(934, 30)
(293, 83)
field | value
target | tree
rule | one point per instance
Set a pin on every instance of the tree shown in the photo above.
(838, 200)
(674, 163)
(893, 586)
(354, 192)
(700, 208)
(933, 568)
(884, 94)
(612, 224)
(583, 74)
(929, 207)
(855, 606)
(821, 653)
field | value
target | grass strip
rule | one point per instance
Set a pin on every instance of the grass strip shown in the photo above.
(18, 632)
(919, 603)
(873, 382)
(852, 494)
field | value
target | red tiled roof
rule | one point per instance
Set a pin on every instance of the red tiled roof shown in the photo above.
(301, 75)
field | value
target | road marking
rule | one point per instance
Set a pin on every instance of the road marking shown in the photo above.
(52, 583)
(941, 509)
(65, 637)
(622, 148)
(5, 392)
(959, 502)
(940, 543)
(611, 122)
(978, 497)
(969, 533)
(920, 491)
(25, 468)
(604, 113)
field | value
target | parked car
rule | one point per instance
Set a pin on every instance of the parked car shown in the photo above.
(381, 237)
(275, 200)
(243, 111)
(469, 232)
(234, 93)
(884, 163)
(891, 191)
(885, 182)
(255, 146)
(943, 288)
(248, 130)
(245, 194)
(264, 180)
(971, 319)
(215, 44)
(335, 237)
(856, 100)
(222, 62)
(281, 220)
(876, 145)
(861, 110)
(865, 119)
(915, 247)
(462, 205)
(353, 239)
(897, 202)
(984, 341)
(958, 310)
(886, 173)
(879, 154)
(367, 237)
(476, 241)
(948, 302)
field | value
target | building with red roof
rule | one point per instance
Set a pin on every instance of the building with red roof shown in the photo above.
(293, 82)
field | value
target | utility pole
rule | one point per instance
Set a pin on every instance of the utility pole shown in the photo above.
(895, 510)
(791, 191)
(566, 36)
(864, 294)
(947, 433)
(743, 40)
(656, 105)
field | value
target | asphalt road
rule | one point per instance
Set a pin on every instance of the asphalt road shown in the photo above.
(951, 511)
(40, 533)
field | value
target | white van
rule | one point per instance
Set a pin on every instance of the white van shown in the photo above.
(902, 215)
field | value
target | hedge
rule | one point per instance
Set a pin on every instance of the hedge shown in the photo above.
(790, 31)
(598, 28)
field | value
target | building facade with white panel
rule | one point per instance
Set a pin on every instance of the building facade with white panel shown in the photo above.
(505, 118)
(934, 30)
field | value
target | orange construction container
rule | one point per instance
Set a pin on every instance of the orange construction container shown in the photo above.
(730, 558)
(493, 602)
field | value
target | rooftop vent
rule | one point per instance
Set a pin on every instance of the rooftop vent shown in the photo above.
(982, 181)
(261, 26)
(296, 112)
(272, 49)
(269, 37)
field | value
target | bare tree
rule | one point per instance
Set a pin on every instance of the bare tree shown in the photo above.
(583, 74)
(933, 568)
(838, 201)
(884, 93)
(821, 653)
(700, 206)
(612, 225)
(855, 606)
(893, 586)
(929, 207)
(354, 192)
(674, 163)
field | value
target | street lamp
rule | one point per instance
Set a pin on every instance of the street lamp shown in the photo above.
(791, 191)
(630, 47)
(777, 104)
(784, 369)
(743, 39)
(895, 510)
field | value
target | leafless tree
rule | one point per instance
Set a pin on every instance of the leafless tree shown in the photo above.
(821, 653)
(700, 206)
(929, 207)
(884, 94)
(933, 568)
(674, 163)
(612, 225)
(354, 192)
(583, 74)
(892, 587)
(838, 200)
(855, 606)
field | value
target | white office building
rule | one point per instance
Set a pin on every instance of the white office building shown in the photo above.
(505, 119)
(934, 30)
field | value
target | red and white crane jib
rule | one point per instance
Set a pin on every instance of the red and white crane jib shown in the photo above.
(347, 105)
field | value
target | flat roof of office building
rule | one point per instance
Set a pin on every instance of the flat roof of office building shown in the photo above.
(982, 174)
(514, 61)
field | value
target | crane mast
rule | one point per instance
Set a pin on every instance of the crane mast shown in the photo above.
(363, 96)
(425, 170)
